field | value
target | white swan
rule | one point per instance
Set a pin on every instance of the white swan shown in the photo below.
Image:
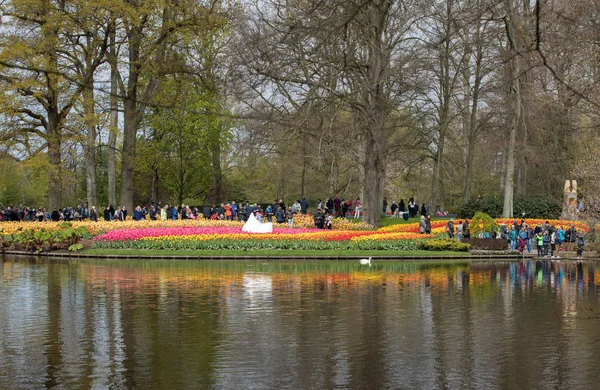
(366, 261)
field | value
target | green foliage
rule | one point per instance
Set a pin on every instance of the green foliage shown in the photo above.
(75, 247)
(183, 141)
(482, 223)
(23, 182)
(491, 205)
(34, 240)
(528, 207)
(444, 245)
(537, 207)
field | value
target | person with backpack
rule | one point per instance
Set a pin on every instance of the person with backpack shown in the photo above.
(546, 242)
(450, 228)
(428, 224)
(512, 238)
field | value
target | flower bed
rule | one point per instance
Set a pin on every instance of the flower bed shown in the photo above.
(210, 234)
(579, 225)
(189, 238)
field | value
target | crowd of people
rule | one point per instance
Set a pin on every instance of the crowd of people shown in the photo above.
(521, 236)
(79, 213)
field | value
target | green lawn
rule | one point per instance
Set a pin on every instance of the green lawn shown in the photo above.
(282, 253)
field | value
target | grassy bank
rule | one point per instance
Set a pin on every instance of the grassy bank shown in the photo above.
(271, 253)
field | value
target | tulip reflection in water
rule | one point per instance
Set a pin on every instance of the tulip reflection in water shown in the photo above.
(318, 324)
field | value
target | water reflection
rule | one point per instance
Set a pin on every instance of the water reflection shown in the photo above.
(97, 324)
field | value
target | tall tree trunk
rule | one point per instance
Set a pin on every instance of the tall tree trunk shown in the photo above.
(130, 126)
(304, 164)
(375, 116)
(521, 188)
(154, 189)
(436, 196)
(54, 126)
(446, 86)
(217, 172)
(135, 105)
(114, 123)
(374, 169)
(90, 145)
(515, 100)
(471, 103)
(130, 119)
(54, 141)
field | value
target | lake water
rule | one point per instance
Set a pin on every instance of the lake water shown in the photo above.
(288, 325)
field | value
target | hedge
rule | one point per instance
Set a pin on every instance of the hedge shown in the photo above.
(445, 245)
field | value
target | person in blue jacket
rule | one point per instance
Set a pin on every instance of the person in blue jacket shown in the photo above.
(137, 213)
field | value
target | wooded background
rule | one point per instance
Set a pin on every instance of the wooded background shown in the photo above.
(135, 101)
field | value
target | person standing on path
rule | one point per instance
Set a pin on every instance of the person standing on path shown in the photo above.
(512, 238)
(580, 245)
(539, 242)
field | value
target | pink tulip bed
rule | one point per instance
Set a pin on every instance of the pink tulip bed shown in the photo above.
(136, 234)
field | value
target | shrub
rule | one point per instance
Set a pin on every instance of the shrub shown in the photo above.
(540, 207)
(491, 205)
(33, 240)
(537, 207)
(445, 245)
(468, 209)
(493, 253)
(486, 244)
(482, 223)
